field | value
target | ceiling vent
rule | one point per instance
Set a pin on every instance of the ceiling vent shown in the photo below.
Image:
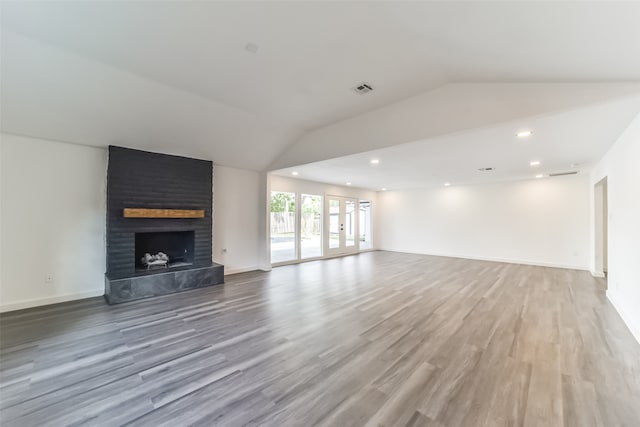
(363, 88)
(485, 169)
(563, 173)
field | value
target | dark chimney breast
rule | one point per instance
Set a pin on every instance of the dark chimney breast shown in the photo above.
(144, 180)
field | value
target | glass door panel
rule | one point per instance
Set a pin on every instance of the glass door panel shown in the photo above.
(365, 225)
(350, 222)
(334, 223)
(310, 226)
(283, 226)
(342, 223)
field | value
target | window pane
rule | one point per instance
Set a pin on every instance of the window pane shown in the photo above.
(283, 226)
(350, 223)
(310, 226)
(365, 225)
(334, 223)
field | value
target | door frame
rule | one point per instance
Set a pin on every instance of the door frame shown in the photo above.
(601, 220)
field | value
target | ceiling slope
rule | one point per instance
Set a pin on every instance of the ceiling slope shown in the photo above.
(310, 54)
(176, 76)
(562, 142)
(53, 94)
(450, 109)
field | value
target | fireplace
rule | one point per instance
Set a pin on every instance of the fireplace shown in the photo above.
(178, 246)
(159, 207)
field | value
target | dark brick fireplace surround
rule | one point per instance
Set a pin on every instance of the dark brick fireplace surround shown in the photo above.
(140, 179)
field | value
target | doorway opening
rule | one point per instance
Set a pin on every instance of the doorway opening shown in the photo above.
(342, 225)
(601, 219)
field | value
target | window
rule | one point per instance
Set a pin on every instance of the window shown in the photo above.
(298, 230)
(283, 226)
(310, 226)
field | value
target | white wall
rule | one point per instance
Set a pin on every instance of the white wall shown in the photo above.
(620, 167)
(53, 219)
(236, 217)
(540, 222)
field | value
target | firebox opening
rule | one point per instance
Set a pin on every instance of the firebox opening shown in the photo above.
(177, 247)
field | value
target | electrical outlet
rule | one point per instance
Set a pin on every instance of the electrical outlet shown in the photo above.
(48, 279)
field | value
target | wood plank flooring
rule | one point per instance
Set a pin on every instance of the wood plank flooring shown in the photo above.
(377, 339)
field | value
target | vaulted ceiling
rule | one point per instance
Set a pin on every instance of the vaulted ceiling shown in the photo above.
(566, 141)
(177, 77)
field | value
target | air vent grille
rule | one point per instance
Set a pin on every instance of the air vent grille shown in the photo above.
(563, 173)
(363, 88)
(485, 169)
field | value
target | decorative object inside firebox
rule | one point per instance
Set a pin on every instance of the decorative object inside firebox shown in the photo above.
(159, 259)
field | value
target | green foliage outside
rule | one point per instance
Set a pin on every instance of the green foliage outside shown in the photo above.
(286, 202)
(283, 202)
(311, 205)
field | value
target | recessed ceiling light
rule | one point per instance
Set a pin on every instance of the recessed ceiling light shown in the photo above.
(375, 161)
(539, 176)
(535, 163)
(384, 189)
(446, 184)
(294, 173)
(348, 183)
(524, 134)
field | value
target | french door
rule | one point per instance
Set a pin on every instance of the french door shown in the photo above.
(341, 225)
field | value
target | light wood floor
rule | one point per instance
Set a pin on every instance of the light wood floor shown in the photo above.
(377, 339)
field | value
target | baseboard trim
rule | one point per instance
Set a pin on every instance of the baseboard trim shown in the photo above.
(490, 259)
(240, 270)
(598, 274)
(623, 315)
(21, 305)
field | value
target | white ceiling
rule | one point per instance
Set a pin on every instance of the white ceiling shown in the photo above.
(53, 94)
(450, 109)
(561, 142)
(175, 77)
(311, 53)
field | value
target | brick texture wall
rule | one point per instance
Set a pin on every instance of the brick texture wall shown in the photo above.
(140, 179)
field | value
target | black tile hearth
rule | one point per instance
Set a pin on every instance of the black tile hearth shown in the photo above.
(133, 288)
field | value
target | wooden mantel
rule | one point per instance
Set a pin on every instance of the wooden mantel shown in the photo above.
(162, 213)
